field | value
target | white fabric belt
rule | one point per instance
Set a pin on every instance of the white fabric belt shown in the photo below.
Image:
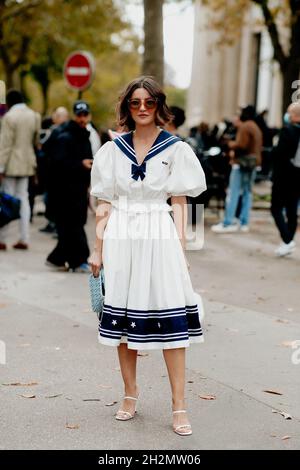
(141, 205)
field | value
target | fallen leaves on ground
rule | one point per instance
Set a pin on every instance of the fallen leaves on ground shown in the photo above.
(72, 426)
(282, 413)
(143, 354)
(207, 397)
(105, 386)
(279, 320)
(54, 396)
(111, 404)
(91, 399)
(290, 344)
(284, 438)
(27, 395)
(20, 384)
(273, 392)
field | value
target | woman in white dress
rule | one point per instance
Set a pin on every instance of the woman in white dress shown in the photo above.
(149, 299)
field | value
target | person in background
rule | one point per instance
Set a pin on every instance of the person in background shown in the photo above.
(94, 136)
(95, 141)
(286, 180)
(177, 120)
(72, 161)
(246, 150)
(59, 118)
(19, 134)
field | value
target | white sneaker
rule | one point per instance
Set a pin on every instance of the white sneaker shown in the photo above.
(221, 228)
(244, 228)
(285, 249)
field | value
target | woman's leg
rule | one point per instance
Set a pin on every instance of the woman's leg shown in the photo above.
(233, 195)
(278, 203)
(175, 362)
(128, 360)
(247, 182)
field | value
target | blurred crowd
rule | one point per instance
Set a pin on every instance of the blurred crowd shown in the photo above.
(53, 157)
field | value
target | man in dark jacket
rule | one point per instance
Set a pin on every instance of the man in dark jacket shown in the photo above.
(71, 164)
(286, 180)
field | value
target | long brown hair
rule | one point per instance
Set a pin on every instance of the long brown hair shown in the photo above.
(162, 115)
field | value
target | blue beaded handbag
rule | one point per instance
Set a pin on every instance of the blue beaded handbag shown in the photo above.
(97, 292)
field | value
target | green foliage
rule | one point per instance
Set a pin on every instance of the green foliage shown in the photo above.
(228, 16)
(176, 96)
(51, 29)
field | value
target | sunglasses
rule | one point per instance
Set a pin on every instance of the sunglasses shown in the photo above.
(149, 103)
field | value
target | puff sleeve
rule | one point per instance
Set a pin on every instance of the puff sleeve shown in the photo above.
(186, 176)
(102, 174)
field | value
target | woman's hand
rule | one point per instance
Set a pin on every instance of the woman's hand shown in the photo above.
(87, 163)
(95, 262)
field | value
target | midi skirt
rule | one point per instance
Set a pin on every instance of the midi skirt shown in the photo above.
(149, 299)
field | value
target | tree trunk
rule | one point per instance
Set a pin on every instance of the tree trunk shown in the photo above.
(8, 77)
(40, 74)
(22, 75)
(45, 90)
(290, 73)
(153, 63)
(11, 77)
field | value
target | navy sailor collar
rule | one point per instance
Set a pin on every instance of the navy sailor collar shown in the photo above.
(125, 144)
(162, 141)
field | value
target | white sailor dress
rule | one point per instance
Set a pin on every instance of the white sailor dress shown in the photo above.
(149, 299)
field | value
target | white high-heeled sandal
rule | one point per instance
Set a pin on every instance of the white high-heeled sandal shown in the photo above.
(125, 415)
(188, 427)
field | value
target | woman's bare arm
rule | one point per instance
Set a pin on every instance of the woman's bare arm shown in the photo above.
(102, 215)
(179, 206)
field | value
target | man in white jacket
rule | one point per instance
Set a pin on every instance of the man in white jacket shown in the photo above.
(19, 131)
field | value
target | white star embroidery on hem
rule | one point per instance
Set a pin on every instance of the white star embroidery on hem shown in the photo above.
(133, 324)
(114, 322)
(158, 324)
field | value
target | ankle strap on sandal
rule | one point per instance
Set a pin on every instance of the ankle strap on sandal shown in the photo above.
(130, 398)
(179, 411)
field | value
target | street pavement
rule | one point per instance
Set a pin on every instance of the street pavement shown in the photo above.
(251, 325)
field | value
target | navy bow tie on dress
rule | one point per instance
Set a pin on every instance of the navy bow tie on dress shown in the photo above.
(138, 171)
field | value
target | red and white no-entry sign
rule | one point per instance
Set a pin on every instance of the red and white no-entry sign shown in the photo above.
(79, 70)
